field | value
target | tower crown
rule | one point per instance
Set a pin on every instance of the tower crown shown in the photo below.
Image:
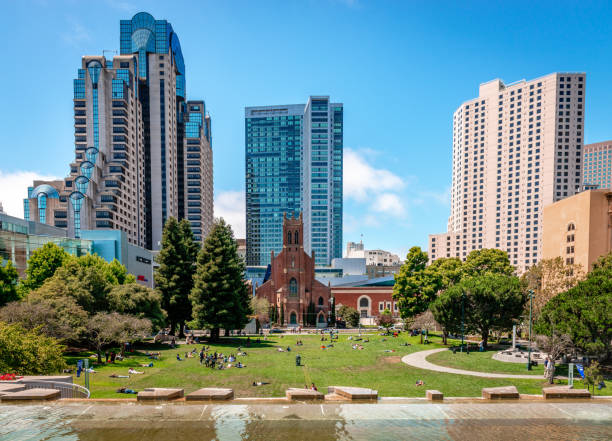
(293, 230)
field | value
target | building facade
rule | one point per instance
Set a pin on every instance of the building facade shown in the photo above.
(291, 286)
(370, 301)
(598, 165)
(373, 257)
(516, 148)
(134, 165)
(294, 165)
(579, 228)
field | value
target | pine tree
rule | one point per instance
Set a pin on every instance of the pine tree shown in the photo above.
(174, 276)
(220, 295)
(332, 312)
(282, 315)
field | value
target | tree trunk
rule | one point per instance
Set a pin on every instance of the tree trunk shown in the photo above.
(214, 334)
(172, 327)
(444, 337)
(485, 338)
(99, 356)
(181, 329)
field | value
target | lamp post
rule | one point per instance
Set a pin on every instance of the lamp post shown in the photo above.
(531, 295)
(462, 317)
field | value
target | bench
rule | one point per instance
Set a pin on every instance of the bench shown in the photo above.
(434, 395)
(500, 393)
(303, 394)
(35, 394)
(564, 392)
(210, 394)
(353, 393)
(160, 394)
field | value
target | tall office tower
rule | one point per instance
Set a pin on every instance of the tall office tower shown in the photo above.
(198, 165)
(294, 164)
(322, 177)
(105, 187)
(516, 148)
(598, 165)
(161, 81)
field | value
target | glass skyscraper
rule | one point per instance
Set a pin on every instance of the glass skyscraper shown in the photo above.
(597, 171)
(293, 165)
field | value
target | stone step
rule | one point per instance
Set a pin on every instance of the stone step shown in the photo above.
(6, 388)
(303, 394)
(564, 392)
(32, 395)
(434, 395)
(354, 393)
(160, 394)
(210, 394)
(500, 393)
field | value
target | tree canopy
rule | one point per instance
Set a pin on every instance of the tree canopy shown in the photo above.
(584, 312)
(415, 287)
(487, 260)
(174, 275)
(42, 264)
(28, 352)
(139, 301)
(8, 282)
(220, 295)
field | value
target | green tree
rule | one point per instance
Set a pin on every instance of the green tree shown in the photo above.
(385, 320)
(584, 312)
(220, 295)
(28, 352)
(106, 328)
(493, 302)
(449, 271)
(61, 318)
(487, 260)
(282, 315)
(349, 315)
(174, 275)
(42, 265)
(139, 301)
(592, 375)
(446, 310)
(415, 287)
(8, 282)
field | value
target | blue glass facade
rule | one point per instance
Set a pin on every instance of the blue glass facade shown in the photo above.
(273, 177)
(293, 165)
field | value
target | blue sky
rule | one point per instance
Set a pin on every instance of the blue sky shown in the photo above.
(401, 68)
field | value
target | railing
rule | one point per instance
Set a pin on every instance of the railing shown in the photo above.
(68, 390)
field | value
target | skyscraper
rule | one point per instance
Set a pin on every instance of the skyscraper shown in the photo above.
(294, 164)
(516, 148)
(598, 165)
(131, 149)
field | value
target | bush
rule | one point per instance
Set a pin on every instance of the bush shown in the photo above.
(349, 315)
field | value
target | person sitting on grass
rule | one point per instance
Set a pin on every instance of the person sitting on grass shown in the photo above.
(313, 387)
(239, 365)
(178, 358)
(419, 383)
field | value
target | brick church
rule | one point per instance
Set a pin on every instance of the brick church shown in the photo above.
(299, 299)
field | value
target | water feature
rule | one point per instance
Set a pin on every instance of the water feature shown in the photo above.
(401, 420)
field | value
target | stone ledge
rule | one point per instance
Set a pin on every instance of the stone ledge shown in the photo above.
(353, 393)
(11, 387)
(210, 394)
(160, 394)
(500, 393)
(32, 395)
(564, 392)
(434, 395)
(303, 394)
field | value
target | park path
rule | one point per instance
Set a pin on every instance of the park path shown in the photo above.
(418, 360)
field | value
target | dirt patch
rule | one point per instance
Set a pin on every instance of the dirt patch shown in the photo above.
(393, 359)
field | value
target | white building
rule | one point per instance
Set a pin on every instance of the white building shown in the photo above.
(372, 257)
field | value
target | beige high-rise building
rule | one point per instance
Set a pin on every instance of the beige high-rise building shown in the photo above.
(516, 148)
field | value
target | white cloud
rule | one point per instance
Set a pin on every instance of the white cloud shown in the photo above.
(361, 180)
(230, 205)
(389, 203)
(14, 188)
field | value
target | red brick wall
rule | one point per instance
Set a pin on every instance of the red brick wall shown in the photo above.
(352, 296)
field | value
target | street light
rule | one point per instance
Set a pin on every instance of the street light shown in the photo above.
(531, 295)
(462, 317)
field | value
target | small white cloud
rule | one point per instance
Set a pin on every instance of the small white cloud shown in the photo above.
(230, 205)
(14, 189)
(361, 180)
(390, 204)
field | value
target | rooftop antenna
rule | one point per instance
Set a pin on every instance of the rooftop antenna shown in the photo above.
(361, 242)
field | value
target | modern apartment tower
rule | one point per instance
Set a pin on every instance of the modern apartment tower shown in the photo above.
(131, 145)
(293, 165)
(598, 165)
(516, 148)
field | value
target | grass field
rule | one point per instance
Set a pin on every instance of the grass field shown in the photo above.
(341, 365)
(483, 362)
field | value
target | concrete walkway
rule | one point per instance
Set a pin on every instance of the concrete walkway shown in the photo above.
(418, 360)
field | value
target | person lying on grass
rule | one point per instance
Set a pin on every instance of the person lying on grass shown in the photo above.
(134, 371)
(118, 376)
(126, 390)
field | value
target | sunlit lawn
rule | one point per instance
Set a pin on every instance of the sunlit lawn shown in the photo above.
(340, 365)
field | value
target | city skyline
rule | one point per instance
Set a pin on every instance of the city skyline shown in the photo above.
(397, 123)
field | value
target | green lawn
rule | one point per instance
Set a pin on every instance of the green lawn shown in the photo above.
(482, 362)
(341, 365)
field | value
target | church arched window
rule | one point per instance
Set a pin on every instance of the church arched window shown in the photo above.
(297, 239)
(288, 237)
(320, 301)
(293, 287)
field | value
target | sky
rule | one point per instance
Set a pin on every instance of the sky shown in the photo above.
(401, 68)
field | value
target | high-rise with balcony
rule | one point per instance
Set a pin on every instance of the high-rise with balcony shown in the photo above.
(130, 170)
(598, 165)
(293, 165)
(516, 148)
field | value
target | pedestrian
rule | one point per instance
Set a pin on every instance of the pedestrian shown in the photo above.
(201, 356)
(106, 355)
